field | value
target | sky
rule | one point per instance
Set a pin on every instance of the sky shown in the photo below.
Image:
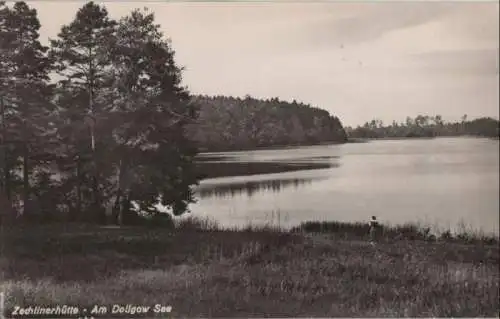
(358, 60)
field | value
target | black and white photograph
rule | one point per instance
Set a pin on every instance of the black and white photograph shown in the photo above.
(249, 159)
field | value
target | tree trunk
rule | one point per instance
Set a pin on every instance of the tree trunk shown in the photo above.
(7, 212)
(8, 192)
(117, 209)
(122, 185)
(26, 181)
(98, 211)
(78, 209)
(97, 207)
(125, 209)
(5, 156)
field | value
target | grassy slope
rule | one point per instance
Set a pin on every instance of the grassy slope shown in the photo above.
(247, 273)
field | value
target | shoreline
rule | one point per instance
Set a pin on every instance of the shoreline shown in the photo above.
(201, 271)
(348, 230)
(366, 140)
(266, 148)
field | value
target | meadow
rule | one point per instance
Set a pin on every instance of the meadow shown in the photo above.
(201, 270)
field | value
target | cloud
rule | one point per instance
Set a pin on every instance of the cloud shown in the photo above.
(350, 24)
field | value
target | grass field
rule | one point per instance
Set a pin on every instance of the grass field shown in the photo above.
(247, 273)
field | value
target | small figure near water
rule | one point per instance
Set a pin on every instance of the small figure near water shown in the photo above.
(373, 230)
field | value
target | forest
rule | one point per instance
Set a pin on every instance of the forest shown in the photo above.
(231, 123)
(427, 126)
(97, 126)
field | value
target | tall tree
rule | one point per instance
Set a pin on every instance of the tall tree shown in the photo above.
(6, 54)
(153, 157)
(81, 53)
(25, 100)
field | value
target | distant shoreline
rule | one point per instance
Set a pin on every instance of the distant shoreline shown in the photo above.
(366, 140)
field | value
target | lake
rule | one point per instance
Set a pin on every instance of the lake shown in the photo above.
(443, 182)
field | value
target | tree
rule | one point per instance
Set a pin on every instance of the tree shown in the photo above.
(409, 121)
(25, 92)
(82, 59)
(152, 156)
(463, 118)
(438, 120)
(6, 54)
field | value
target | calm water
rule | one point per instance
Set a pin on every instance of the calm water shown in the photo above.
(444, 182)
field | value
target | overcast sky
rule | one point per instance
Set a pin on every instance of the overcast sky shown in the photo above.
(357, 60)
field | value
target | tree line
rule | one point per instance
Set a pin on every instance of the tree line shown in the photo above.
(427, 126)
(233, 123)
(96, 126)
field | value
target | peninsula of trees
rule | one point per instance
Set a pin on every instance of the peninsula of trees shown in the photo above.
(427, 126)
(229, 123)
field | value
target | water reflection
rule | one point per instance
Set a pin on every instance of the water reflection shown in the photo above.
(211, 166)
(251, 187)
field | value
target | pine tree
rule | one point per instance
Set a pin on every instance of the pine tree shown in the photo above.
(148, 119)
(25, 92)
(6, 53)
(82, 59)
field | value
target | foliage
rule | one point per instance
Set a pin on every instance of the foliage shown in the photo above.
(148, 117)
(108, 140)
(427, 126)
(82, 60)
(228, 123)
(25, 101)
